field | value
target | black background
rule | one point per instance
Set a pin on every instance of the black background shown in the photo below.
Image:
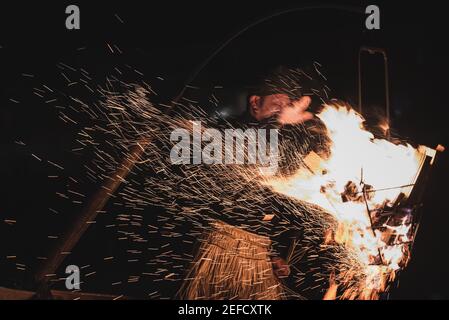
(170, 40)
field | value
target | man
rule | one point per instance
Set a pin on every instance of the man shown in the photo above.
(232, 262)
(286, 112)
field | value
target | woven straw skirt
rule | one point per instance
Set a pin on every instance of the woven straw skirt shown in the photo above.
(232, 264)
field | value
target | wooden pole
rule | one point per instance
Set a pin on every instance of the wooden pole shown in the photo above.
(88, 215)
(14, 294)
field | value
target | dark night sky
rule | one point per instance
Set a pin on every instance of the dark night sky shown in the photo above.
(170, 40)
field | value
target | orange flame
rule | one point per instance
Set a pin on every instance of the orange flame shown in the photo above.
(357, 157)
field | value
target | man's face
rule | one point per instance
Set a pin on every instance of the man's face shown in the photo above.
(267, 106)
(280, 105)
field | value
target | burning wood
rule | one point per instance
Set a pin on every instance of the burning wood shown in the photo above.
(366, 184)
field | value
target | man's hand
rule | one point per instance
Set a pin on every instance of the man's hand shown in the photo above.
(280, 267)
(296, 113)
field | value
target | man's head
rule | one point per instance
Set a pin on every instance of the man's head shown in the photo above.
(280, 105)
(284, 94)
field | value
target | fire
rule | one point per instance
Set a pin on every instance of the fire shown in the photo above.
(361, 176)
